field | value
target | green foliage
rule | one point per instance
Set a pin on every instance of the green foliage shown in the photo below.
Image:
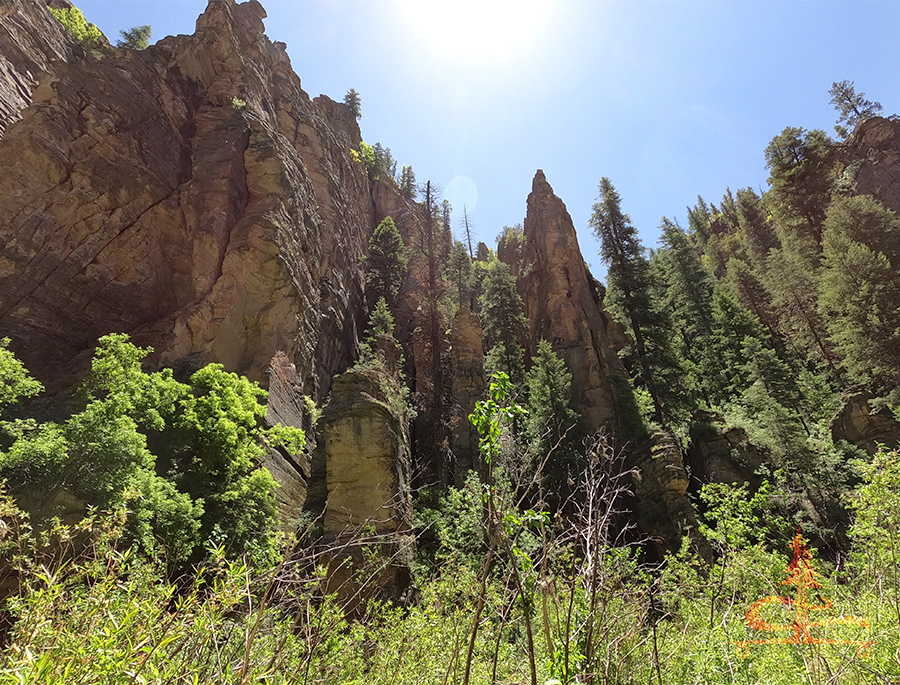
(136, 38)
(15, 381)
(367, 154)
(450, 527)
(202, 480)
(554, 441)
(386, 264)
(801, 176)
(503, 321)
(88, 36)
(461, 274)
(852, 107)
(382, 321)
(859, 291)
(630, 288)
(353, 101)
(407, 184)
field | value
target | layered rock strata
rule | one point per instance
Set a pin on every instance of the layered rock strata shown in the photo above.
(722, 454)
(368, 507)
(661, 484)
(190, 194)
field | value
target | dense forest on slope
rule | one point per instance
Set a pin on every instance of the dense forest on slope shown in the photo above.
(539, 508)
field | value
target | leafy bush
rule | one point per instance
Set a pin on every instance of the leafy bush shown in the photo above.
(87, 35)
(201, 481)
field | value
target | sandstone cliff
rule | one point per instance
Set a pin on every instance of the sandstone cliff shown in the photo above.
(190, 194)
(563, 305)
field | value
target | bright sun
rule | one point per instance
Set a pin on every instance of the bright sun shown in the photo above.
(475, 29)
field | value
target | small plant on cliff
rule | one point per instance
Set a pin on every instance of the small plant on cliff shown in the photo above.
(87, 35)
(136, 38)
(353, 101)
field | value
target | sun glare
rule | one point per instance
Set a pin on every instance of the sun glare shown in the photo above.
(475, 29)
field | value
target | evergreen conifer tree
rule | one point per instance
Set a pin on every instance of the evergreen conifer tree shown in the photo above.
(851, 106)
(503, 321)
(552, 425)
(630, 294)
(385, 265)
(460, 272)
(759, 234)
(859, 292)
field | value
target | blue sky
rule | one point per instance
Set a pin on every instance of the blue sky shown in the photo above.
(669, 99)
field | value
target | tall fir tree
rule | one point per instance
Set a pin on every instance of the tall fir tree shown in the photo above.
(460, 272)
(385, 265)
(758, 232)
(630, 294)
(792, 282)
(852, 107)
(859, 293)
(552, 426)
(503, 321)
(801, 177)
(689, 292)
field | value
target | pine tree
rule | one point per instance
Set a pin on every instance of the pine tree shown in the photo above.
(552, 425)
(851, 106)
(432, 434)
(408, 187)
(688, 293)
(801, 176)
(733, 325)
(859, 293)
(629, 293)
(460, 272)
(467, 226)
(135, 38)
(353, 101)
(751, 292)
(503, 321)
(385, 265)
(759, 234)
(792, 282)
(699, 221)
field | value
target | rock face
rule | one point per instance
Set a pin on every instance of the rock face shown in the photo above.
(661, 485)
(467, 374)
(721, 454)
(190, 194)
(871, 156)
(856, 423)
(368, 477)
(31, 40)
(563, 306)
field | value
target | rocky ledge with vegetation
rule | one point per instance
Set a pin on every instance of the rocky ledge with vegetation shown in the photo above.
(263, 420)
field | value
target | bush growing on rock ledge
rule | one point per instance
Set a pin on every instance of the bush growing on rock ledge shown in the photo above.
(183, 457)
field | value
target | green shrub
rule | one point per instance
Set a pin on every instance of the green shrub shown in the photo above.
(87, 35)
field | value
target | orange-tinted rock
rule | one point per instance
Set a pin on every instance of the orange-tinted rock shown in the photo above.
(563, 305)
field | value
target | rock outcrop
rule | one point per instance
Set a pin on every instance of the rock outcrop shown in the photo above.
(720, 453)
(31, 40)
(856, 423)
(366, 444)
(665, 511)
(190, 194)
(871, 156)
(468, 386)
(563, 306)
